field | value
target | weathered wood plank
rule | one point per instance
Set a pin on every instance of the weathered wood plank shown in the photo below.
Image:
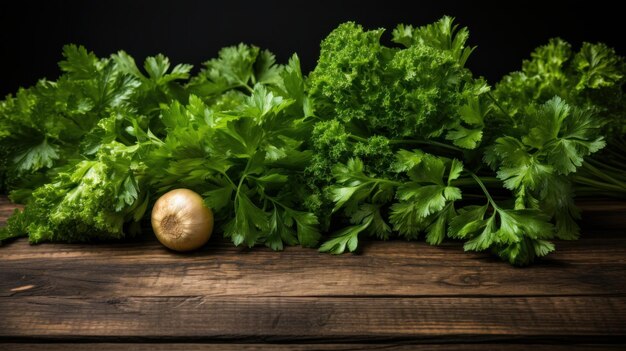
(301, 347)
(392, 291)
(395, 268)
(331, 319)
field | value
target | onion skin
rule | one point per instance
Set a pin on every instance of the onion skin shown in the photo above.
(180, 220)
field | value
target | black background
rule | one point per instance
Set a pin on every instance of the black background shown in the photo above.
(32, 33)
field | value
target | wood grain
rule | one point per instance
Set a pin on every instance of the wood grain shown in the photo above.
(312, 319)
(135, 295)
(393, 268)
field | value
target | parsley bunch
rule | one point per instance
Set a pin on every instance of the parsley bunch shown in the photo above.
(387, 140)
(246, 157)
(234, 133)
(409, 143)
(593, 79)
(76, 146)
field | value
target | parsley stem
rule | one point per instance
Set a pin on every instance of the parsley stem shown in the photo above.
(275, 202)
(597, 184)
(427, 142)
(357, 138)
(365, 180)
(245, 85)
(411, 141)
(506, 113)
(229, 180)
(482, 186)
(243, 177)
(605, 166)
(602, 175)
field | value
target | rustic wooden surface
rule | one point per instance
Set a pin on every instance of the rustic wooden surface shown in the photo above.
(393, 295)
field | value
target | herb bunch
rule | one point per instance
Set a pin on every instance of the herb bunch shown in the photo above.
(382, 140)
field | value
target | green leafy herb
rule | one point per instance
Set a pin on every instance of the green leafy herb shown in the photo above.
(385, 140)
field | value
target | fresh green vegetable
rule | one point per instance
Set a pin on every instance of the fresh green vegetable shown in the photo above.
(380, 101)
(383, 140)
(239, 144)
(592, 78)
(248, 162)
(77, 148)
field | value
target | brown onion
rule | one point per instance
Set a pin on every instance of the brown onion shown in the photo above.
(181, 221)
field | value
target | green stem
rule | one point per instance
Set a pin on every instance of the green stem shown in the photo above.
(598, 185)
(375, 181)
(506, 113)
(229, 180)
(412, 141)
(606, 166)
(357, 138)
(276, 202)
(245, 85)
(482, 186)
(243, 176)
(427, 142)
(602, 175)
(386, 181)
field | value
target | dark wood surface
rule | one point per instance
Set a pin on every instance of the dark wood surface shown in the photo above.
(393, 295)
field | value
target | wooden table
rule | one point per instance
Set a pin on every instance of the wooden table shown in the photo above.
(391, 296)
